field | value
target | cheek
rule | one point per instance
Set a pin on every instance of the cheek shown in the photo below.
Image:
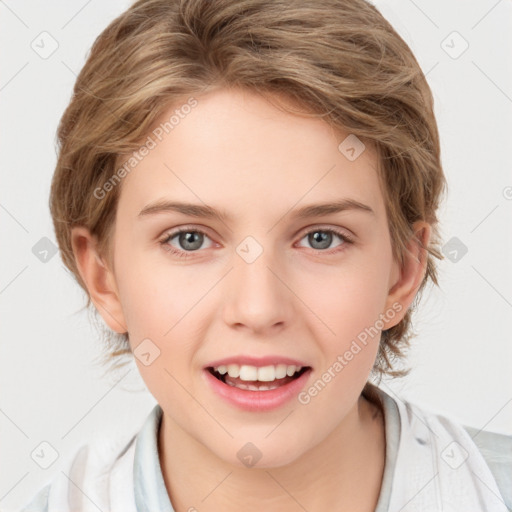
(161, 313)
(154, 293)
(347, 298)
(349, 305)
(162, 302)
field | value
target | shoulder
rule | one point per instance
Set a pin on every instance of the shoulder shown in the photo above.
(87, 471)
(416, 429)
(101, 469)
(497, 452)
(495, 449)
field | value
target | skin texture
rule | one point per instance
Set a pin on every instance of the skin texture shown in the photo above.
(237, 152)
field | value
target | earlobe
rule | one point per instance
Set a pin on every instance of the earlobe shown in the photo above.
(411, 273)
(98, 278)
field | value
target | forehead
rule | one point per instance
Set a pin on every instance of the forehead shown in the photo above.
(236, 150)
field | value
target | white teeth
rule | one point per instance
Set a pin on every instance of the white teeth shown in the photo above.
(281, 371)
(252, 387)
(248, 372)
(266, 374)
(290, 370)
(233, 370)
(262, 374)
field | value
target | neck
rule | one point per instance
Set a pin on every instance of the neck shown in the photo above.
(344, 472)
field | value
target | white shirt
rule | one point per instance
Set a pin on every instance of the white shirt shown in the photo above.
(432, 464)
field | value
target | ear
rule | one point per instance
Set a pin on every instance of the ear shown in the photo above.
(98, 278)
(407, 278)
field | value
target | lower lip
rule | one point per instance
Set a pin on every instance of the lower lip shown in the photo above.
(258, 401)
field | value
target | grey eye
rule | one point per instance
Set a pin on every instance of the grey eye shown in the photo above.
(190, 240)
(320, 239)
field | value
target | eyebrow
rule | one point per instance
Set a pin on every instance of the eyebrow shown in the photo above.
(207, 212)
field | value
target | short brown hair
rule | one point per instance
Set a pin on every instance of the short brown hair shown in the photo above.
(340, 60)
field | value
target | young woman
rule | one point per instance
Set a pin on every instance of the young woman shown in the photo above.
(247, 192)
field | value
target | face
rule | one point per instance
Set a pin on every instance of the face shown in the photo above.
(258, 284)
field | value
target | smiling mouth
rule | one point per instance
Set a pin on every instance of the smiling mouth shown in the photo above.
(249, 383)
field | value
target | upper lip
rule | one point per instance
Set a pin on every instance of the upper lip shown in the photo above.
(256, 361)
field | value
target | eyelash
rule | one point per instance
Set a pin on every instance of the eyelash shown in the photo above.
(347, 240)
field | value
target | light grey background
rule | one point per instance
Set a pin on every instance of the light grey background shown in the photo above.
(53, 391)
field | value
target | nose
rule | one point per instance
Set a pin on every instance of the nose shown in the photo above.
(257, 295)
